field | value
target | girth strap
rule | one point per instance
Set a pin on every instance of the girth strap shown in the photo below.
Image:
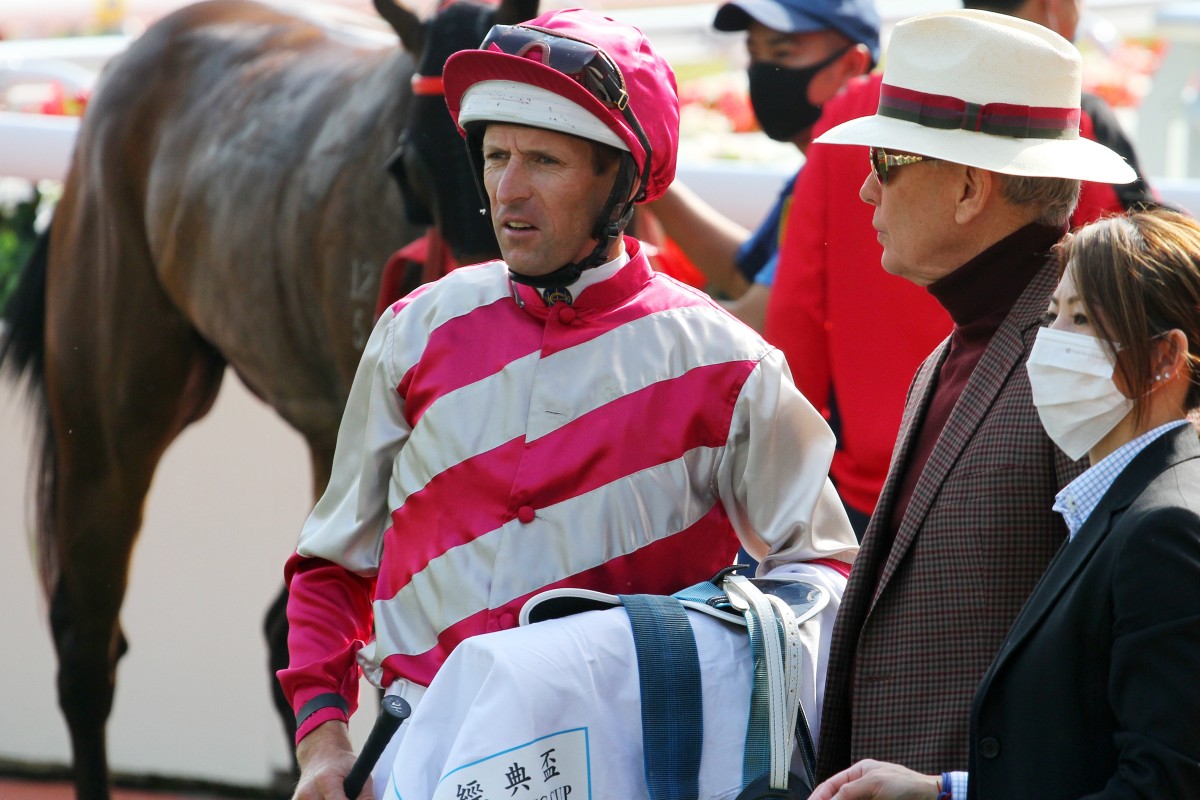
(776, 713)
(672, 707)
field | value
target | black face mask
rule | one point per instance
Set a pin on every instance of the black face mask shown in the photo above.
(779, 96)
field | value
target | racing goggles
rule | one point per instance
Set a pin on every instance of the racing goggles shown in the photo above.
(584, 63)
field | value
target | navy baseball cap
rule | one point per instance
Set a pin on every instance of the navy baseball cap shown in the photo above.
(857, 20)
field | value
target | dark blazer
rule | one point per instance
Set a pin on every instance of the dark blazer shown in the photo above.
(1096, 691)
(923, 616)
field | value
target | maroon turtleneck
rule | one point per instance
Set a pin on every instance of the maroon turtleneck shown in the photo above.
(978, 296)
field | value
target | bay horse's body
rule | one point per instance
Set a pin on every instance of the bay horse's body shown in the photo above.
(227, 204)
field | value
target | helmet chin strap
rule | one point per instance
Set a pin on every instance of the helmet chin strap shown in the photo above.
(613, 218)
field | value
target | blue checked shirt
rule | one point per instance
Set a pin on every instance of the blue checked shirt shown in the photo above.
(1079, 498)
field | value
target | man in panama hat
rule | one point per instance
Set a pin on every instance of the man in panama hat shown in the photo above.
(828, 279)
(976, 160)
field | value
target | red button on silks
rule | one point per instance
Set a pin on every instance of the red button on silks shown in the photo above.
(507, 620)
(526, 514)
(566, 315)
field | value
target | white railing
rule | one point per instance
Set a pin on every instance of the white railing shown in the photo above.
(89, 52)
(36, 146)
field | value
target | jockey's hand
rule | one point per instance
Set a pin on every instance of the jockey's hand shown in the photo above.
(876, 780)
(325, 757)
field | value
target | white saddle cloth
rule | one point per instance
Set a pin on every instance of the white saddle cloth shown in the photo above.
(553, 710)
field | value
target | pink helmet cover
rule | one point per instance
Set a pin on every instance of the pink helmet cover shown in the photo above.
(649, 79)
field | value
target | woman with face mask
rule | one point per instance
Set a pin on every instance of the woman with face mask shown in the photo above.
(1103, 370)
(1093, 693)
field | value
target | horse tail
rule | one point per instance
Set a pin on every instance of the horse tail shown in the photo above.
(23, 353)
(22, 343)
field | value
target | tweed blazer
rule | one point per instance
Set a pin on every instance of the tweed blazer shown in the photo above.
(924, 615)
(1094, 692)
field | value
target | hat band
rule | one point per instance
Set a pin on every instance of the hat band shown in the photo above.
(998, 119)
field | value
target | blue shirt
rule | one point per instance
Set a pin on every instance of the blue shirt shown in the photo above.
(1079, 498)
(762, 248)
(766, 275)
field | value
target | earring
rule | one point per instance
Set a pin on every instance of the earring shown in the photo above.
(1158, 377)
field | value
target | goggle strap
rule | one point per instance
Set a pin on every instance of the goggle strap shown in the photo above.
(641, 135)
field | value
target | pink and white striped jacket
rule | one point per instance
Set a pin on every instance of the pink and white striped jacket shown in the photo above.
(615, 444)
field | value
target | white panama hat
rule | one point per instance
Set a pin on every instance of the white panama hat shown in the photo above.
(986, 90)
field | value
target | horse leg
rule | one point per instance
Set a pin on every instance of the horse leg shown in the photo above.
(106, 462)
(85, 704)
(124, 374)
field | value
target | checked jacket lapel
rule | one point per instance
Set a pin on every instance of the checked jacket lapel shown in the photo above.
(920, 393)
(1004, 354)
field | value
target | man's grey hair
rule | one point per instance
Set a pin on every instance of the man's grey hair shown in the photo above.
(1053, 198)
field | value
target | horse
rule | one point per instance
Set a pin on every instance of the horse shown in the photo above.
(227, 205)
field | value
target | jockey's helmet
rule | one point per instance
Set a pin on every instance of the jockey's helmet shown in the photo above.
(576, 72)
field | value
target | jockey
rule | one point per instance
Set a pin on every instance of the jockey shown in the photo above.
(554, 75)
(564, 417)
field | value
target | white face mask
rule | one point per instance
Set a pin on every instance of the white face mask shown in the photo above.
(1076, 399)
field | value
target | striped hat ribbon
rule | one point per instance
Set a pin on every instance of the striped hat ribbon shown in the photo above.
(997, 119)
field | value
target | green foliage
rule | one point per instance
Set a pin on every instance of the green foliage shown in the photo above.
(17, 237)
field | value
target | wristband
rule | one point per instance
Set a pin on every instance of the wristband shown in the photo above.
(944, 787)
(327, 700)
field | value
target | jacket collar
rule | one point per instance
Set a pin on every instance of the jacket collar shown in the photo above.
(1005, 352)
(628, 280)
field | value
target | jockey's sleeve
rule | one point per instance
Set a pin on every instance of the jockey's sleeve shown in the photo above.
(331, 576)
(773, 478)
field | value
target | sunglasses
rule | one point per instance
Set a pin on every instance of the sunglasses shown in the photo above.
(882, 161)
(586, 64)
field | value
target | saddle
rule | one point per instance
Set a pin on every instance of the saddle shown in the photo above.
(773, 611)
